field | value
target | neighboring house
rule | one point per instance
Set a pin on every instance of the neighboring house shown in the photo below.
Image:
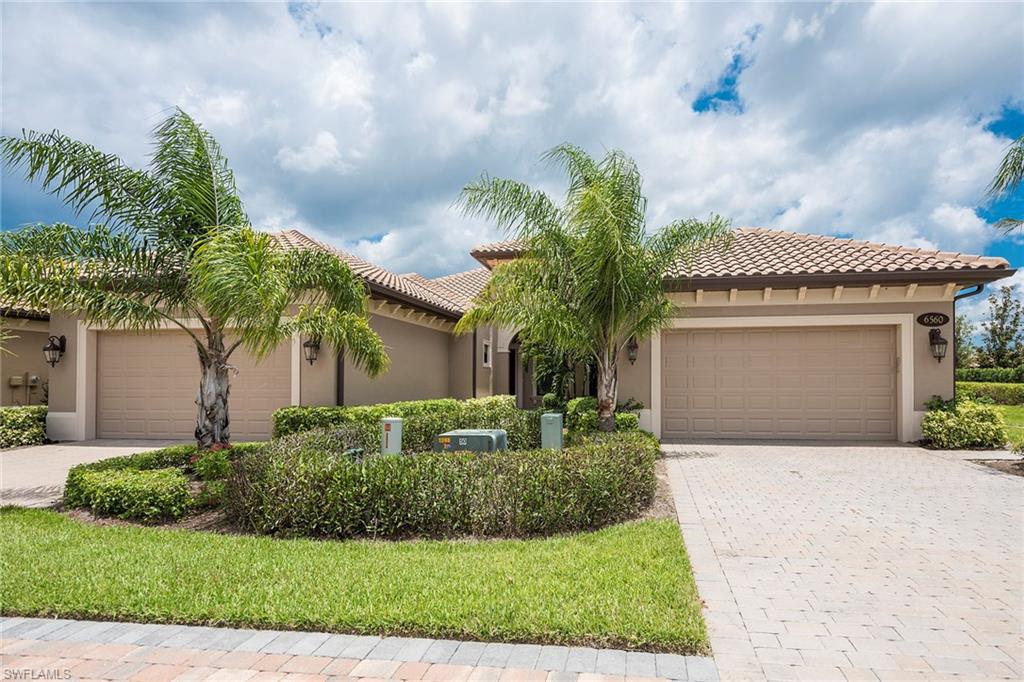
(783, 336)
(23, 371)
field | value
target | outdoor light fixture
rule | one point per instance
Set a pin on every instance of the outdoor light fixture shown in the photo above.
(938, 344)
(311, 348)
(631, 348)
(54, 349)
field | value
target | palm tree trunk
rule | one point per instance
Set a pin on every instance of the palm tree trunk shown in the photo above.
(212, 423)
(607, 391)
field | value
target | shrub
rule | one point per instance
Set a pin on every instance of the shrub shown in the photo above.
(968, 426)
(578, 414)
(552, 402)
(212, 465)
(1004, 375)
(422, 420)
(1000, 394)
(303, 485)
(22, 426)
(138, 495)
(627, 421)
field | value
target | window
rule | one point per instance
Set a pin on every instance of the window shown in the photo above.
(487, 354)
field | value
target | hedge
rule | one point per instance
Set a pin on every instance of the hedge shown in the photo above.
(139, 495)
(999, 375)
(146, 486)
(1001, 394)
(22, 426)
(581, 416)
(304, 485)
(422, 420)
(966, 426)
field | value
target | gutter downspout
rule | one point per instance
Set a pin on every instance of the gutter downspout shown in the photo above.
(978, 288)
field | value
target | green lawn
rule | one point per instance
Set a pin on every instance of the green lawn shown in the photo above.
(1014, 415)
(625, 586)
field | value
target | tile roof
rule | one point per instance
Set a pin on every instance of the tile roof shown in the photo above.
(444, 296)
(763, 252)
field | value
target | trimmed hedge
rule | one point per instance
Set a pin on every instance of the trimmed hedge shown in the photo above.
(146, 486)
(303, 485)
(22, 426)
(966, 426)
(422, 420)
(581, 416)
(1001, 394)
(139, 495)
(999, 375)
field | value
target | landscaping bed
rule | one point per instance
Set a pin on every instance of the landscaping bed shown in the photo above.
(22, 426)
(627, 585)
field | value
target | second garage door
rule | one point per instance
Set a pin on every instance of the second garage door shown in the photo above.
(800, 383)
(146, 388)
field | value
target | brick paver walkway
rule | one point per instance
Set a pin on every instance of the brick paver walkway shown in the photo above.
(854, 563)
(33, 648)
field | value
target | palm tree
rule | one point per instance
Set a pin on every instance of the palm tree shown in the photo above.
(1008, 178)
(590, 277)
(175, 246)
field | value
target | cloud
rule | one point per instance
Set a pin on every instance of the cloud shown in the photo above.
(321, 153)
(362, 122)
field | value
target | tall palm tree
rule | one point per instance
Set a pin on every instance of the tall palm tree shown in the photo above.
(1008, 179)
(590, 277)
(176, 245)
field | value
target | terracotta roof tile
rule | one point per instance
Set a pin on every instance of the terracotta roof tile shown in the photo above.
(760, 252)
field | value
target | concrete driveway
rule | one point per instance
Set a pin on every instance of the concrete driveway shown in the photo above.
(854, 562)
(34, 476)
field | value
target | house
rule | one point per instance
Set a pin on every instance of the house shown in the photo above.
(784, 335)
(23, 370)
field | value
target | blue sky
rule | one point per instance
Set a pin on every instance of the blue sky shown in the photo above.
(360, 123)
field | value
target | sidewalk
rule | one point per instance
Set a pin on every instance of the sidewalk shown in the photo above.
(86, 650)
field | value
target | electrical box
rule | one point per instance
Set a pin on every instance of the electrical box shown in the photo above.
(471, 440)
(551, 431)
(391, 436)
(15, 382)
(33, 380)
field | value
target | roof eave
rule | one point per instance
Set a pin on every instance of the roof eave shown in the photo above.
(960, 276)
(411, 302)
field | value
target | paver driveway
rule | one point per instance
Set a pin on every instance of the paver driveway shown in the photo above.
(826, 562)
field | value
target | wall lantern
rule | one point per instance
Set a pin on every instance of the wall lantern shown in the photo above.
(631, 349)
(938, 344)
(54, 349)
(311, 348)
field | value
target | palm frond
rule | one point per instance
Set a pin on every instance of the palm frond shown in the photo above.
(81, 176)
(341, 330)
(1011, 170)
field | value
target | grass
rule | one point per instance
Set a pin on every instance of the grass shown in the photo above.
(1014, 416)
(624, 586)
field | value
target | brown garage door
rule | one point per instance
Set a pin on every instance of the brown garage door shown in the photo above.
(146, 387)
(814, 382)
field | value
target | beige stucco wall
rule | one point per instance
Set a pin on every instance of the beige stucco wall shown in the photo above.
(460, 366)
(419, 365)
(63, 375)
(930, 377)
(318, 382)
(23, 358)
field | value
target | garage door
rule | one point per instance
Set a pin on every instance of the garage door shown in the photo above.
(802, 383)
(146, 387)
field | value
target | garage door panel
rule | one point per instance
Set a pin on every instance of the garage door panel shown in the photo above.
(146, 387)
(782, 383)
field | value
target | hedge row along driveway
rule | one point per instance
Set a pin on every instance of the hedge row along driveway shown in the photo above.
(624, 586)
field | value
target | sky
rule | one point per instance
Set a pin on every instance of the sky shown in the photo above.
(360, 123)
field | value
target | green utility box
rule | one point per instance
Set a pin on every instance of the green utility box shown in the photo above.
(551, 431)
(471, 440)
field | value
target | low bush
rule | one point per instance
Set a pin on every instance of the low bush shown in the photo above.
(581, 415)
(304, 485)
(212, 465)
(999, 375)
(1000, 394)
(966, 426)
(627, 421)
(422, 420)
(22, 426)
(157, 495)
(138, 495)
(552, 402)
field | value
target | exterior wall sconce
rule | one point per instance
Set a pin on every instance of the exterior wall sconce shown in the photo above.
(631, 349)
(312, 349)
(54, 349)
(937, 344)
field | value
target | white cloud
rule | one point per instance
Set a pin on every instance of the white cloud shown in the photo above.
(355, 120)
(319, 154)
